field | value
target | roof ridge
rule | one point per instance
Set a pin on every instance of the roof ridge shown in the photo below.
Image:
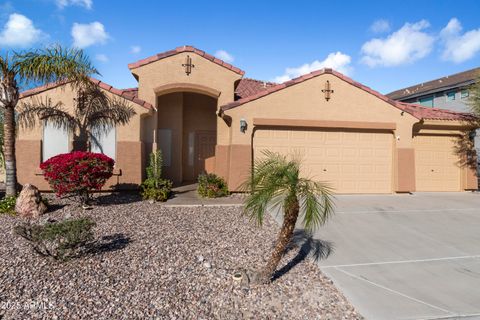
(415, 88)
(400, 105)
(101, 84)
(182, 49)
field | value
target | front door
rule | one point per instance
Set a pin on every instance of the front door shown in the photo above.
(205, 148)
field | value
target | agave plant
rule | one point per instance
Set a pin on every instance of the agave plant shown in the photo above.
(275, 183)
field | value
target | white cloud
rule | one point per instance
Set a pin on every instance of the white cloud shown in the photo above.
(459, 47)
(335, 60)
(19, 31)
(82, 3)
(135, 49)
(405, 45)
(101, 57)
(224, 55)
(380, 26)
(85, 35)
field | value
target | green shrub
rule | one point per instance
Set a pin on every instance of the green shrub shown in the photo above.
(7, 205)
(212, 186)
(61, 240)
(155, 187)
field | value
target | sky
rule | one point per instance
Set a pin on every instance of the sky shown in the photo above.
(386, 45)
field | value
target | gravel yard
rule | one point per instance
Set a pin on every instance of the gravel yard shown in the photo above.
(161, 262)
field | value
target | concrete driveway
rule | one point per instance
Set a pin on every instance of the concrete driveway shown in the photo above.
(407, 256)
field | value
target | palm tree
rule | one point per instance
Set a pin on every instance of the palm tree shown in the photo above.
(275, 183)
(41, 66)
(94, 114)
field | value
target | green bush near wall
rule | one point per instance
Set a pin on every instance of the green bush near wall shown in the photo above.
(212, 186)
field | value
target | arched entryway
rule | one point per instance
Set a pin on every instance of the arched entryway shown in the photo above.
(187, 133)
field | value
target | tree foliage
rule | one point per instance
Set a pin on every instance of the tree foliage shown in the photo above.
(275, 184)
(36, 67)
(95, 113)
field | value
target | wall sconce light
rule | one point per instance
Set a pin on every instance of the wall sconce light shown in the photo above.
(243, 125)
(328, 91)
(472, 134)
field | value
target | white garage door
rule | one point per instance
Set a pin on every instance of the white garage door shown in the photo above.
(436, 163)
(351, 162)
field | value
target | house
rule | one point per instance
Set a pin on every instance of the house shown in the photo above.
(450, 92)
(205, 116)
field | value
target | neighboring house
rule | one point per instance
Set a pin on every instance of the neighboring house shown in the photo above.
(450, 92)
(205, 116)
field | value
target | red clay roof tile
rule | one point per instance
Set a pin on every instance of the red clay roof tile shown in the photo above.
(249, 87)
(128, 94)
(417, 111)
(178, 50)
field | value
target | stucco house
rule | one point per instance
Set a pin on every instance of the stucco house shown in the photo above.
(205, 116)
(449, 92)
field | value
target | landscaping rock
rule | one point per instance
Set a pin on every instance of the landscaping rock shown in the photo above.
(147, 267)
(29, 203)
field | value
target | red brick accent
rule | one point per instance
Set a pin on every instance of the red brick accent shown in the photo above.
(128, 94)
(417, 111)
(178, 50)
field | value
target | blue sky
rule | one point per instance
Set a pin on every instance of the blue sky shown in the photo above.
(385, 45)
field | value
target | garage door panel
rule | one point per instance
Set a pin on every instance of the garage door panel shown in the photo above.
(351, 162)
(436, 163)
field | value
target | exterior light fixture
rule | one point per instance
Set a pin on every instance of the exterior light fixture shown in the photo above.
(472, 134)
(328, 91)
(243, 125)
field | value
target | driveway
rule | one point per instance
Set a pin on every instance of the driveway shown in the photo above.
(407, 256)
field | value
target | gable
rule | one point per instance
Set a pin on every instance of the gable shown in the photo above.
(170, 71)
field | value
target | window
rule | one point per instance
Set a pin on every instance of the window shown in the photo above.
(165, 144)
(55, 141)
(451, 96)
(426, 101)
(106, 143)
(464, 94)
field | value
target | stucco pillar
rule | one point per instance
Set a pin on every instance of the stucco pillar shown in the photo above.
(404, 169)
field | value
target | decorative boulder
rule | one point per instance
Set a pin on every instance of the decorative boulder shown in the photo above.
(29, 202)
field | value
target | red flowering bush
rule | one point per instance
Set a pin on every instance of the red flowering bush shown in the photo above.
(77, 172)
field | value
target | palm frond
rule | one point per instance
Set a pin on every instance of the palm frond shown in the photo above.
(30, 112)
(55, 64)
(316, 203)
(269, 184)
(114, 112)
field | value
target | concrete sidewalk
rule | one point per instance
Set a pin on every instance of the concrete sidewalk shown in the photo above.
(407, 256)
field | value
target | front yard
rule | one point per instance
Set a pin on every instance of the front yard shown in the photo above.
(159, 262)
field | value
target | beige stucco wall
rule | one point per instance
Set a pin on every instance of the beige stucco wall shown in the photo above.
(129, 144)
(184, 113)
(306, 101)
(170, 71)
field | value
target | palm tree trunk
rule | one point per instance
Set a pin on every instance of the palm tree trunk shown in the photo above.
(9, 151)
(284, 237)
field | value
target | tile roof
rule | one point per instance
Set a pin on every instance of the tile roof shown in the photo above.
(459, 79)
(129, 94)
(178, 50)
(248, 87)
(417, 111)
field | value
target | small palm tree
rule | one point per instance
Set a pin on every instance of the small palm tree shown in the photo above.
(17, 70)
(94, 114)
(275, 182)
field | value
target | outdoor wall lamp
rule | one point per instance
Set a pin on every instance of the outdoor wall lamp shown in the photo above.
(243, 125)
(472, 134)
